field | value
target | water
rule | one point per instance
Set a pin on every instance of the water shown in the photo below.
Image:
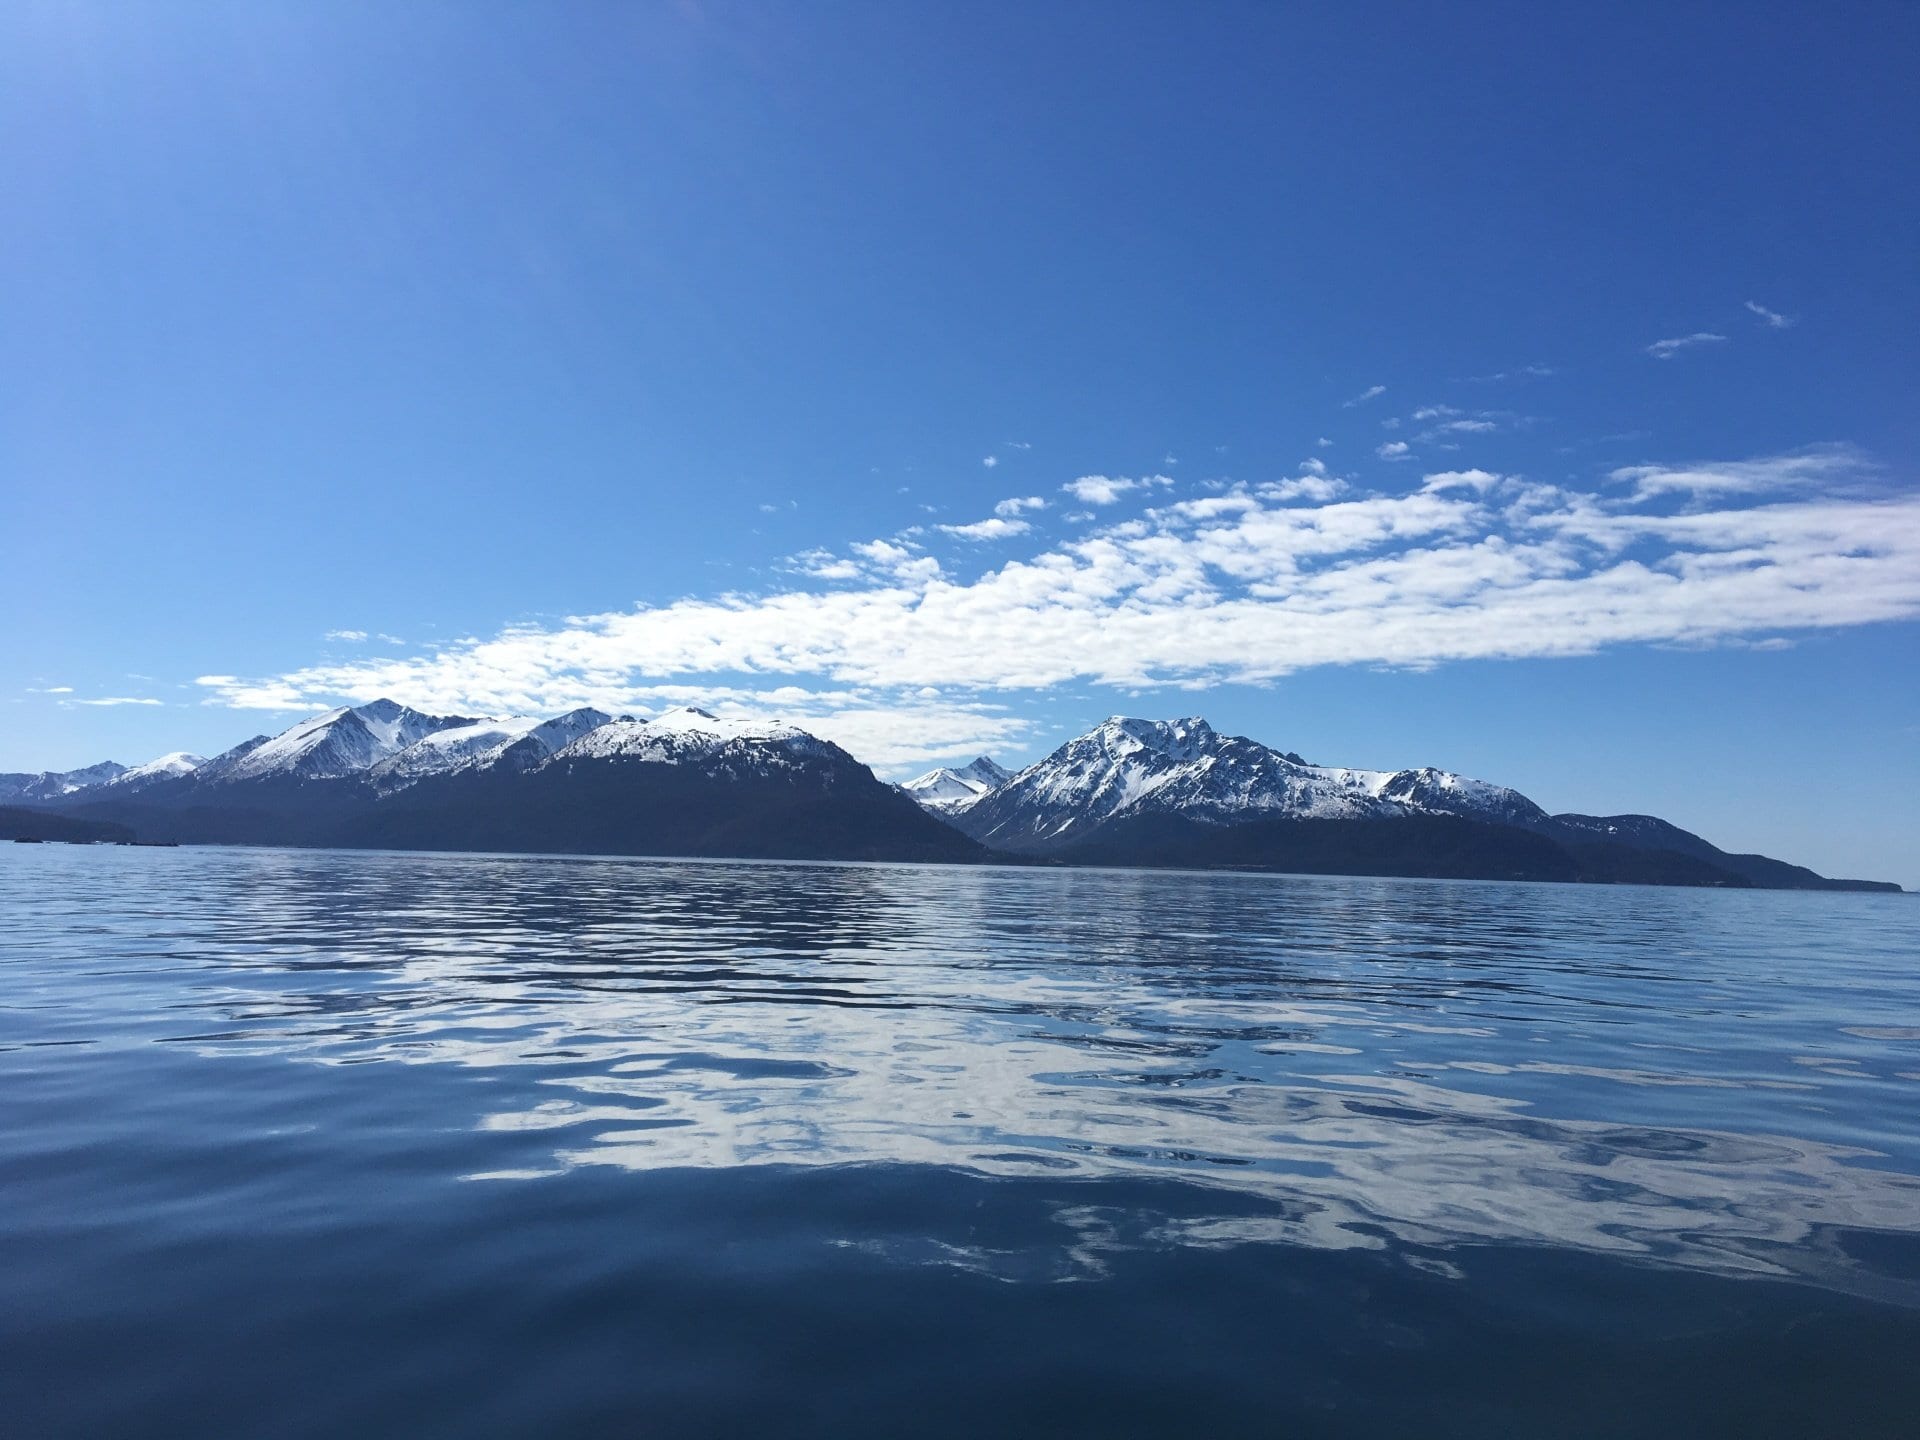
(324, 1144)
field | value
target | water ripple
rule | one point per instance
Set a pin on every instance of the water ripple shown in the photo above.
(1720, 1083)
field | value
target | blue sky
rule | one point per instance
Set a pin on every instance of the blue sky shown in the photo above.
(504, 356)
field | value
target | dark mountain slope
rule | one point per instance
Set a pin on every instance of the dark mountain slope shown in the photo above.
(832, 810)
(20, 823)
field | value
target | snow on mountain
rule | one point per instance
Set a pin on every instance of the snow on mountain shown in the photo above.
(548, 738)
(561, 731)
(52, 784)
(394, 746)
(480, 744)
(1449, 794)
(948, 791)
(687, 734)
(170, 766)
(222, 764)
(455, 748)
(1188, 769)
(339, 743)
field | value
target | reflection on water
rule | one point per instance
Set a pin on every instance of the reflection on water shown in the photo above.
(1720, 1083)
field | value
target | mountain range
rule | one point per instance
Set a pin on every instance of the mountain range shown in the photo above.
(1146, 792)
(1128, 792)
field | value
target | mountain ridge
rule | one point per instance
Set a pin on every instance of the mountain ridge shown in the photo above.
(1129, 791)
(1133, 791)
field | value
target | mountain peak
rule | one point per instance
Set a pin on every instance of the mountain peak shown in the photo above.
(52, 784)
(1189, 735)
(685, 732)
(335, 744)
(947, 790)
(1187, 769)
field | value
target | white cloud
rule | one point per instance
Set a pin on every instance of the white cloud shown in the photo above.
(59, 690)
(1323, 442)
(1478, 481)
(119, 700)
(1106, 489)
(882, 552)
(346, 635)
(1372, 392)
(1017, 503)
(1772, 319)
(1245, 585)
(1667, 349)
(1817, 466)
(825, 565)
(997, 528)
(1313, 486)
(991, 461)
(1394, 450)
(1519, 372)
(1314, 482)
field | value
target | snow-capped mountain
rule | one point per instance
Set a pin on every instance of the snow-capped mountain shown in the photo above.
(331, 746)
(444, 751)
(1441, 792)
(171, 766)
(481, 744)
(223, 764)
(686, 734)
(1127, 767)
(23, 787)
(947, 791)
(392, 747)
(1128, 792)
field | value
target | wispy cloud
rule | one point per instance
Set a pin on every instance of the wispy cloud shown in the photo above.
(1772, 319)
(1394, 450)
(120, 700)
(1106, 489)
(996, 528)
(1817, 467)
(1444, 424)
(1014, 505)
(1518, 372)
(1372, 392)
(1244, 585)
(352, 635)
(1477, 481)
(825, 565)
(1667, 349)
(991, 461)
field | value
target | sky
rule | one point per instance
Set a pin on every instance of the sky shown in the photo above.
(1524, 390)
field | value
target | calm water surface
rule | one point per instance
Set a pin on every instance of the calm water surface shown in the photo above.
(327, 1144)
